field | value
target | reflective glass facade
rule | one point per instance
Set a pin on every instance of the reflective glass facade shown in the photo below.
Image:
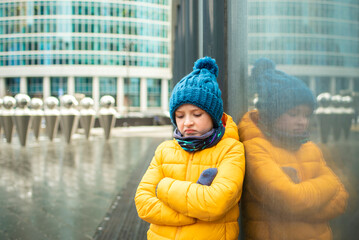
(58, 86)
(34, 87)
(304, 32)
(154, 92)
(108, 86)
(12, 86)
(83, 85)
(52, 33)
(86, 47)
(132, 92)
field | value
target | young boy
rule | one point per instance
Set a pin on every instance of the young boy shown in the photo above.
(193, 185)
(290, 192)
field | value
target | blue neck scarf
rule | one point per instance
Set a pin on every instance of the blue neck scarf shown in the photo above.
(197, 143)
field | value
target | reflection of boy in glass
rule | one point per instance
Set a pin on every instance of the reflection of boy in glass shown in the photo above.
(290, 192)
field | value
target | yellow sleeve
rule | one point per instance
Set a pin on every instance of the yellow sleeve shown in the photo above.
(149, 207)
(270, 186)
(334, 208)
(337, 203)
(208, 203)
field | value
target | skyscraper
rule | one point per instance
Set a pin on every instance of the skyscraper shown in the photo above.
(92, 48)
(318, 41)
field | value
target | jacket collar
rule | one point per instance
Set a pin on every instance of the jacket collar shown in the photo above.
(248, 128)
(231, 128)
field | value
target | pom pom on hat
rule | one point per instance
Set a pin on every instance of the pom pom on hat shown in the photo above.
(277, 91)
(201, 89)
(263, 64)
(207, 63)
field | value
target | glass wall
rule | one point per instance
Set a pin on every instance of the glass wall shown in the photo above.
(12, 86)
(341, 84)
(356, 85)
(31, 28)
(83, 85)
(35, 87)
(108, 86)
(153, 92)
(132, 92)
(291, 84)
(322, 84)
(327, 35)
(300, 147)
(58, 86)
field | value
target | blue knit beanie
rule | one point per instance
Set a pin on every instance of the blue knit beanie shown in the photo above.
(277, 91)
(199, 88)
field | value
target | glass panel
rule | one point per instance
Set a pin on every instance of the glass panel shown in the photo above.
(83, 85)
(153, 92)
(35, 87)
(12, 86)
(108, 86)
(300, 132)
(58, 86)
(132, 92)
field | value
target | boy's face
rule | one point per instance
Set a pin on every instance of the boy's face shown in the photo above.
(192, 120)
(295, 121)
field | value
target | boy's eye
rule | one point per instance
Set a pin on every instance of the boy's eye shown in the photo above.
(197, 114)
(179, 116)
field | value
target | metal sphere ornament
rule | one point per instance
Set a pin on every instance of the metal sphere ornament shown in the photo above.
(36, 103)
(68, 101)
(87, 103)
(347, 101)
(51, 102)
(107, 101)
(324, 99)
(336, 100)
(9, 102)
(22, 100)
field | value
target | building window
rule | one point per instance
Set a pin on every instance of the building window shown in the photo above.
(341, 84)
(322, 85)
(12, 86)
(108, 86)
(83, 85)
(132, 92)
(153, 92)
(34, 87)
(356, 85)
(58, 86)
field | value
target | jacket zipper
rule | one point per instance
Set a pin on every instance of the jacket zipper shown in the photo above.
(188, 177)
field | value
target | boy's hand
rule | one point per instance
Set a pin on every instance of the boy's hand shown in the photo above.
(292, 174)
(207, 176)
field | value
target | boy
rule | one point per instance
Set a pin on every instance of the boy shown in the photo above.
(193, 185)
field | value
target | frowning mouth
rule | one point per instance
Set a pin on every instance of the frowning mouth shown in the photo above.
(189, 131)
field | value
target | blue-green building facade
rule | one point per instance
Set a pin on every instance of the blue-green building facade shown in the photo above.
(88, 48)
(318, 41)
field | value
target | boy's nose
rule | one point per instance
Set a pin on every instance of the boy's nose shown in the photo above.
(188, 122)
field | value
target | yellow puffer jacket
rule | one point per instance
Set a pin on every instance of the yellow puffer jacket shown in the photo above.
(184, 209)
(274, 206)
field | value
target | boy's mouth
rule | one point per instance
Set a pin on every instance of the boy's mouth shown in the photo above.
(189, 131)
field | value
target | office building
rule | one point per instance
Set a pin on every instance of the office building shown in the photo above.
(318, 41)
(88, 48)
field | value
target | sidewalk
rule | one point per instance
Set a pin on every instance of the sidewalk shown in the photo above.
(54, 190)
